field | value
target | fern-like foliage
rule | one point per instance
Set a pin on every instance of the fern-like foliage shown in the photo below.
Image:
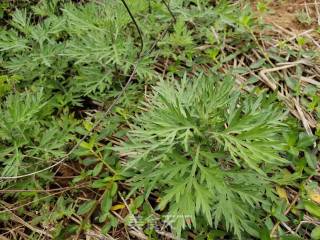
(29, 135)
(76, 49)
(208, 150)
(80, 53)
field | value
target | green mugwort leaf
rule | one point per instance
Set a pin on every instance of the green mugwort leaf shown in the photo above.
(312, 208)
(315, 234)
(86, 207)
(106, 202)
(97, 169)
(311, 159)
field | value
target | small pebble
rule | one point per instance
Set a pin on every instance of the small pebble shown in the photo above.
(290, 9)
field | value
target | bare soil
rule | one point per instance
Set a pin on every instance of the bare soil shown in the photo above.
(284, 14)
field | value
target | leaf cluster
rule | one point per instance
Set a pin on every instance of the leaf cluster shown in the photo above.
(209, 150)
(58, 57)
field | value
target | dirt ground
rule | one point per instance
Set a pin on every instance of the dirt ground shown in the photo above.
(293, 15)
